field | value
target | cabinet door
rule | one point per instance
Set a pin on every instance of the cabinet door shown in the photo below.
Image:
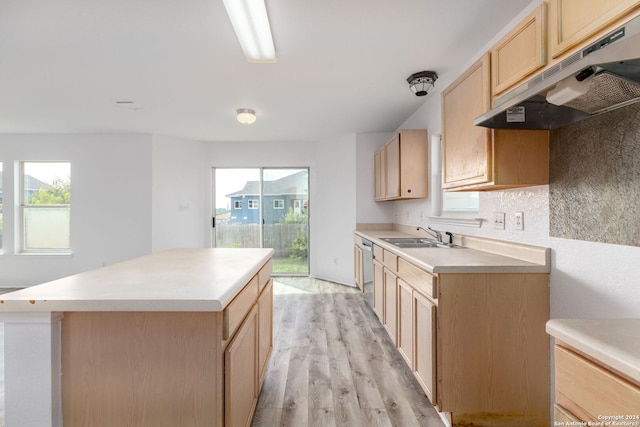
(414, 158)
(405, 321)
(241, 373)
(424, 326)
(519, 53)
(265, 328)
(378, 289)
(392, 154)
(573, 21)
(380, 176)
(390, 304)
(466, 148)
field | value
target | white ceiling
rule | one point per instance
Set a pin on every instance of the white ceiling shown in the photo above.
(341, 67)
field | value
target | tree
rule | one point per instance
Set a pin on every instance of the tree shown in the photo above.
(293, 217)
(56, 193)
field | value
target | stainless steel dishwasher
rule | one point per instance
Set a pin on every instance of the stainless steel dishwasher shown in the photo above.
(367, 270)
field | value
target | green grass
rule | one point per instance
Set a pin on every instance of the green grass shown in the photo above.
(288, 265)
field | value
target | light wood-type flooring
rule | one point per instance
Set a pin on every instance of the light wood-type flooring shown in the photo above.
(334, 365)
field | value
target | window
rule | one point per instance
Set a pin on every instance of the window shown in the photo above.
(46, 206)
(253, 204)
(278, 204)
(237, 204)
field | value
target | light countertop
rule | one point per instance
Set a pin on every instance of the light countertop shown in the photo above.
(487, 256)
(172, 280)
(614, 342)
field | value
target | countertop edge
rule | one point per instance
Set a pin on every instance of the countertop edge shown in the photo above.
(589, 337)
(28, 301)
(524, 267)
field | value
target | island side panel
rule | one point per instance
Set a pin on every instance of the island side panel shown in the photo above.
(142, 369)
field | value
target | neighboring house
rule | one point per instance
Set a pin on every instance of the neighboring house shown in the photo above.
(289, 192)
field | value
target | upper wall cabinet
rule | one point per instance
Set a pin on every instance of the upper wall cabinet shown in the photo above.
(401, 167)
(477, 158)
(519, 53)
(572, 21)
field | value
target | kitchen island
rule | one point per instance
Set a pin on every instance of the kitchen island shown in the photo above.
(180, 337)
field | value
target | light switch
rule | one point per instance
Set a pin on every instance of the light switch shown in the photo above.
(498, 220)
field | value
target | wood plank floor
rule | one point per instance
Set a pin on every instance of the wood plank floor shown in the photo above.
(334, 365)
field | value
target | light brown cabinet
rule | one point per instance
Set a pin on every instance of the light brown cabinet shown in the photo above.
(217, 362)
(477, 158)
(586, 389)
(573, 21)
(425, 343)
(380, 174)
(390, 304)
(265, 329)
(520, 53)
(241, 373)
(400, 167)
(405, 321)
(475, 342)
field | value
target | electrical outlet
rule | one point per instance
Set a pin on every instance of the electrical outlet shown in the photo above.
(498, 220)
(519, 217)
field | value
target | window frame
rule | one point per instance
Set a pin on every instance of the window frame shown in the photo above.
(280, 203)
(253, 204)
(21, 234)
(237, 204)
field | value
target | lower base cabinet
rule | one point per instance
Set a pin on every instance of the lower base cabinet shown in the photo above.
(265, 329)
(476, 342)
(390, 304)
(424, 324)
(587, 390)
(405, 321)
(246, 360)
(115, 363)
(241, 373)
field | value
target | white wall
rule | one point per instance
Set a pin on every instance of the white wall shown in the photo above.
(587, 279)
(110, 202)
(179, 194)
(331, 192)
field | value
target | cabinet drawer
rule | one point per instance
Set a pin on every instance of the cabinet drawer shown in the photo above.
(390, 260)
(237, 309)
(419, 279)
(264, 275)
(588, 390)
(378, 253)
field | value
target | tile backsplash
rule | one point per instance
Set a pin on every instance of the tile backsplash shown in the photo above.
(594, 190)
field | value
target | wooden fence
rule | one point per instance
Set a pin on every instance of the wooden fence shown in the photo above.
(277, 236)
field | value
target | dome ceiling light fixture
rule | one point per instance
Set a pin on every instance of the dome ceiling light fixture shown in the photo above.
(246, 116)
(422, 81)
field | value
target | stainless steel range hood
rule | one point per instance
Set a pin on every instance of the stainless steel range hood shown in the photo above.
(599, 78)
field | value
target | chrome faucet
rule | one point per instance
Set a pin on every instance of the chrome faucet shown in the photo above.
(434, 233)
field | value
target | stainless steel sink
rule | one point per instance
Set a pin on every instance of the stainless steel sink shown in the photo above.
(415, 242)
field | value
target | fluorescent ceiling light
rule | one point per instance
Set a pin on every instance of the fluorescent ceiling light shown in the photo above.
(250, 21)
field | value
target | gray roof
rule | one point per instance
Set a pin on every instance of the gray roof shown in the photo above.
(30, 183)
(292, 184)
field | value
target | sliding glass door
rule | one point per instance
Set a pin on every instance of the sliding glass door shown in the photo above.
(264, 207)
